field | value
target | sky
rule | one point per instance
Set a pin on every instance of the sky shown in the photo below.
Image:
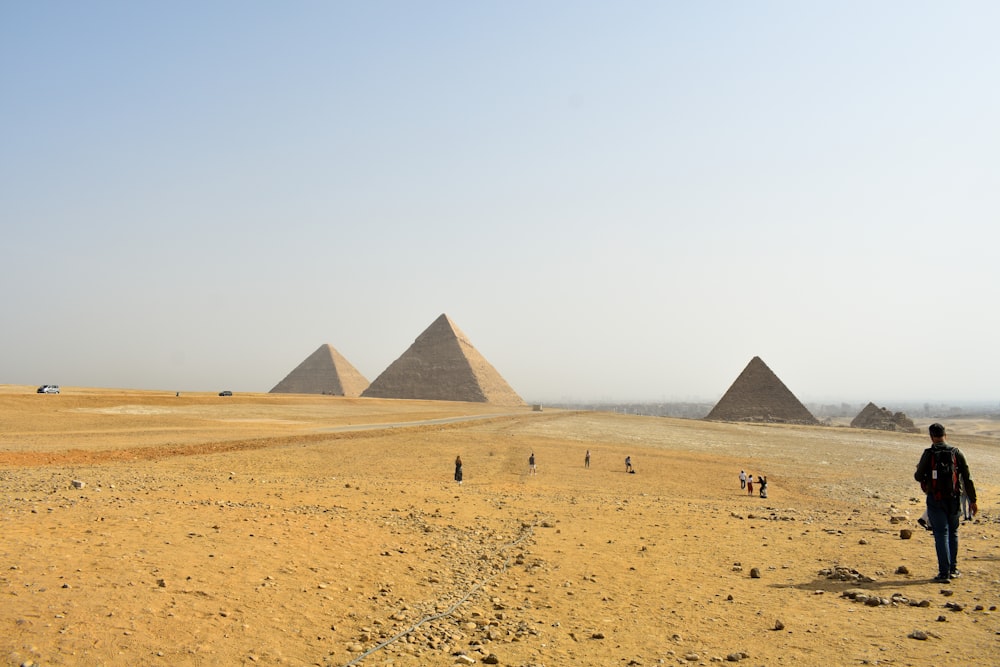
(614, 201)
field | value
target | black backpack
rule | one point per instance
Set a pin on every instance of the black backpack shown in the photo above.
(944, 473)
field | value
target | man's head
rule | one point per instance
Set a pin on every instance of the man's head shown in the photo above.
(936, 431)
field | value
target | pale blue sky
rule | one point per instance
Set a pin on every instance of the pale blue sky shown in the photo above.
(614, 200)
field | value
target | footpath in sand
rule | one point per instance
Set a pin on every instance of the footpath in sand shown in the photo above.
(254, 530)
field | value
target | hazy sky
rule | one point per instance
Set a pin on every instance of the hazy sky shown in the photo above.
(613, 200)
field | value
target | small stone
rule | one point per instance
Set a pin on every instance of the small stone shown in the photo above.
(755, 573)
(918, 634)
(597, 635)
(464, 660)
(491, 659)
(778, 625)
(902, 569)
(862, 541)
(692, 657)
(78, 484)
(905, 534)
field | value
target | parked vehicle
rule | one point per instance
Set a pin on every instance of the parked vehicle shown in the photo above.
(225, 393)
(48, 389)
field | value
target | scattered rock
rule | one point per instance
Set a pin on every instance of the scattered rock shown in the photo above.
(755, 573)
(778, 625)
(905, 533)
(918, 634)
(902, 569)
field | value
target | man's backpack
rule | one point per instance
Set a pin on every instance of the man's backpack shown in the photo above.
(944, 473)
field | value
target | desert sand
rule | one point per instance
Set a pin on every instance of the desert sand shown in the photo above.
(144, 528)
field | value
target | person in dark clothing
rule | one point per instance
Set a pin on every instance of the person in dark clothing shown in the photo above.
(943, 489)
(458, 469)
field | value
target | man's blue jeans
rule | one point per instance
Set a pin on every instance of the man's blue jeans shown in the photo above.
(944, 516)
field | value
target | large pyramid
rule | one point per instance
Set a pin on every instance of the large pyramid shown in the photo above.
(325, 371)
(442, 365)
(758, 395)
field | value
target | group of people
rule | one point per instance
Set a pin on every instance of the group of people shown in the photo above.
(533, 470)
(943, 474)
(746, 482)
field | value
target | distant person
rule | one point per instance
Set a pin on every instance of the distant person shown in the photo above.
(749, 485)
(942, 471)
(458, 469)
(743, 480)
(531, 464)
(628, 464)
(762, 480)
(966, 510)
(586, 460)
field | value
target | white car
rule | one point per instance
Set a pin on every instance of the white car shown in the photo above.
(48, 389)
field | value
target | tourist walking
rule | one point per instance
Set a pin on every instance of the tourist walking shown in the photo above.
(531, 464)
(762, 480)
(458, 469)
(749, 485)
(586, 460)
(743, 480)
(628, 464)
(942, 471)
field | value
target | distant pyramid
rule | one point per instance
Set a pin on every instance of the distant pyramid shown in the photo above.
(758, 395)
(325, 371)
(883, 419)
(442, 365)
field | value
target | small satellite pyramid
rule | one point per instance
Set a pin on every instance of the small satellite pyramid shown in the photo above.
(883, 419)
(325, 371)
(758, 395)
(442, 365)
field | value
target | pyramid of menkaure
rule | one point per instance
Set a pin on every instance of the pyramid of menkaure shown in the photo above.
(758, 395)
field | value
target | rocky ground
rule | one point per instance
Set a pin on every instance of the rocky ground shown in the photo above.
(143, 528)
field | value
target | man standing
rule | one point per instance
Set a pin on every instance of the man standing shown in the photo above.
(743, 480)
(941, 472)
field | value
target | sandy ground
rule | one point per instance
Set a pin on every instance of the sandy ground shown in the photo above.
(257, 530)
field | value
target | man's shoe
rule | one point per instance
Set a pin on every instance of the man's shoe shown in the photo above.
(941, 579)
(955, 574)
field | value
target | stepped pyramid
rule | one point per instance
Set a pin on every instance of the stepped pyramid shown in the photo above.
(442, 365)
(882, 419)
(325, 371)
(758, 395)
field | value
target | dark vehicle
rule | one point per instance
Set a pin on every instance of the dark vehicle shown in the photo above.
(225, 393)
(48, 389)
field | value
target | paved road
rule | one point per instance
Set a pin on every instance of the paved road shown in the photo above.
(425, 422)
